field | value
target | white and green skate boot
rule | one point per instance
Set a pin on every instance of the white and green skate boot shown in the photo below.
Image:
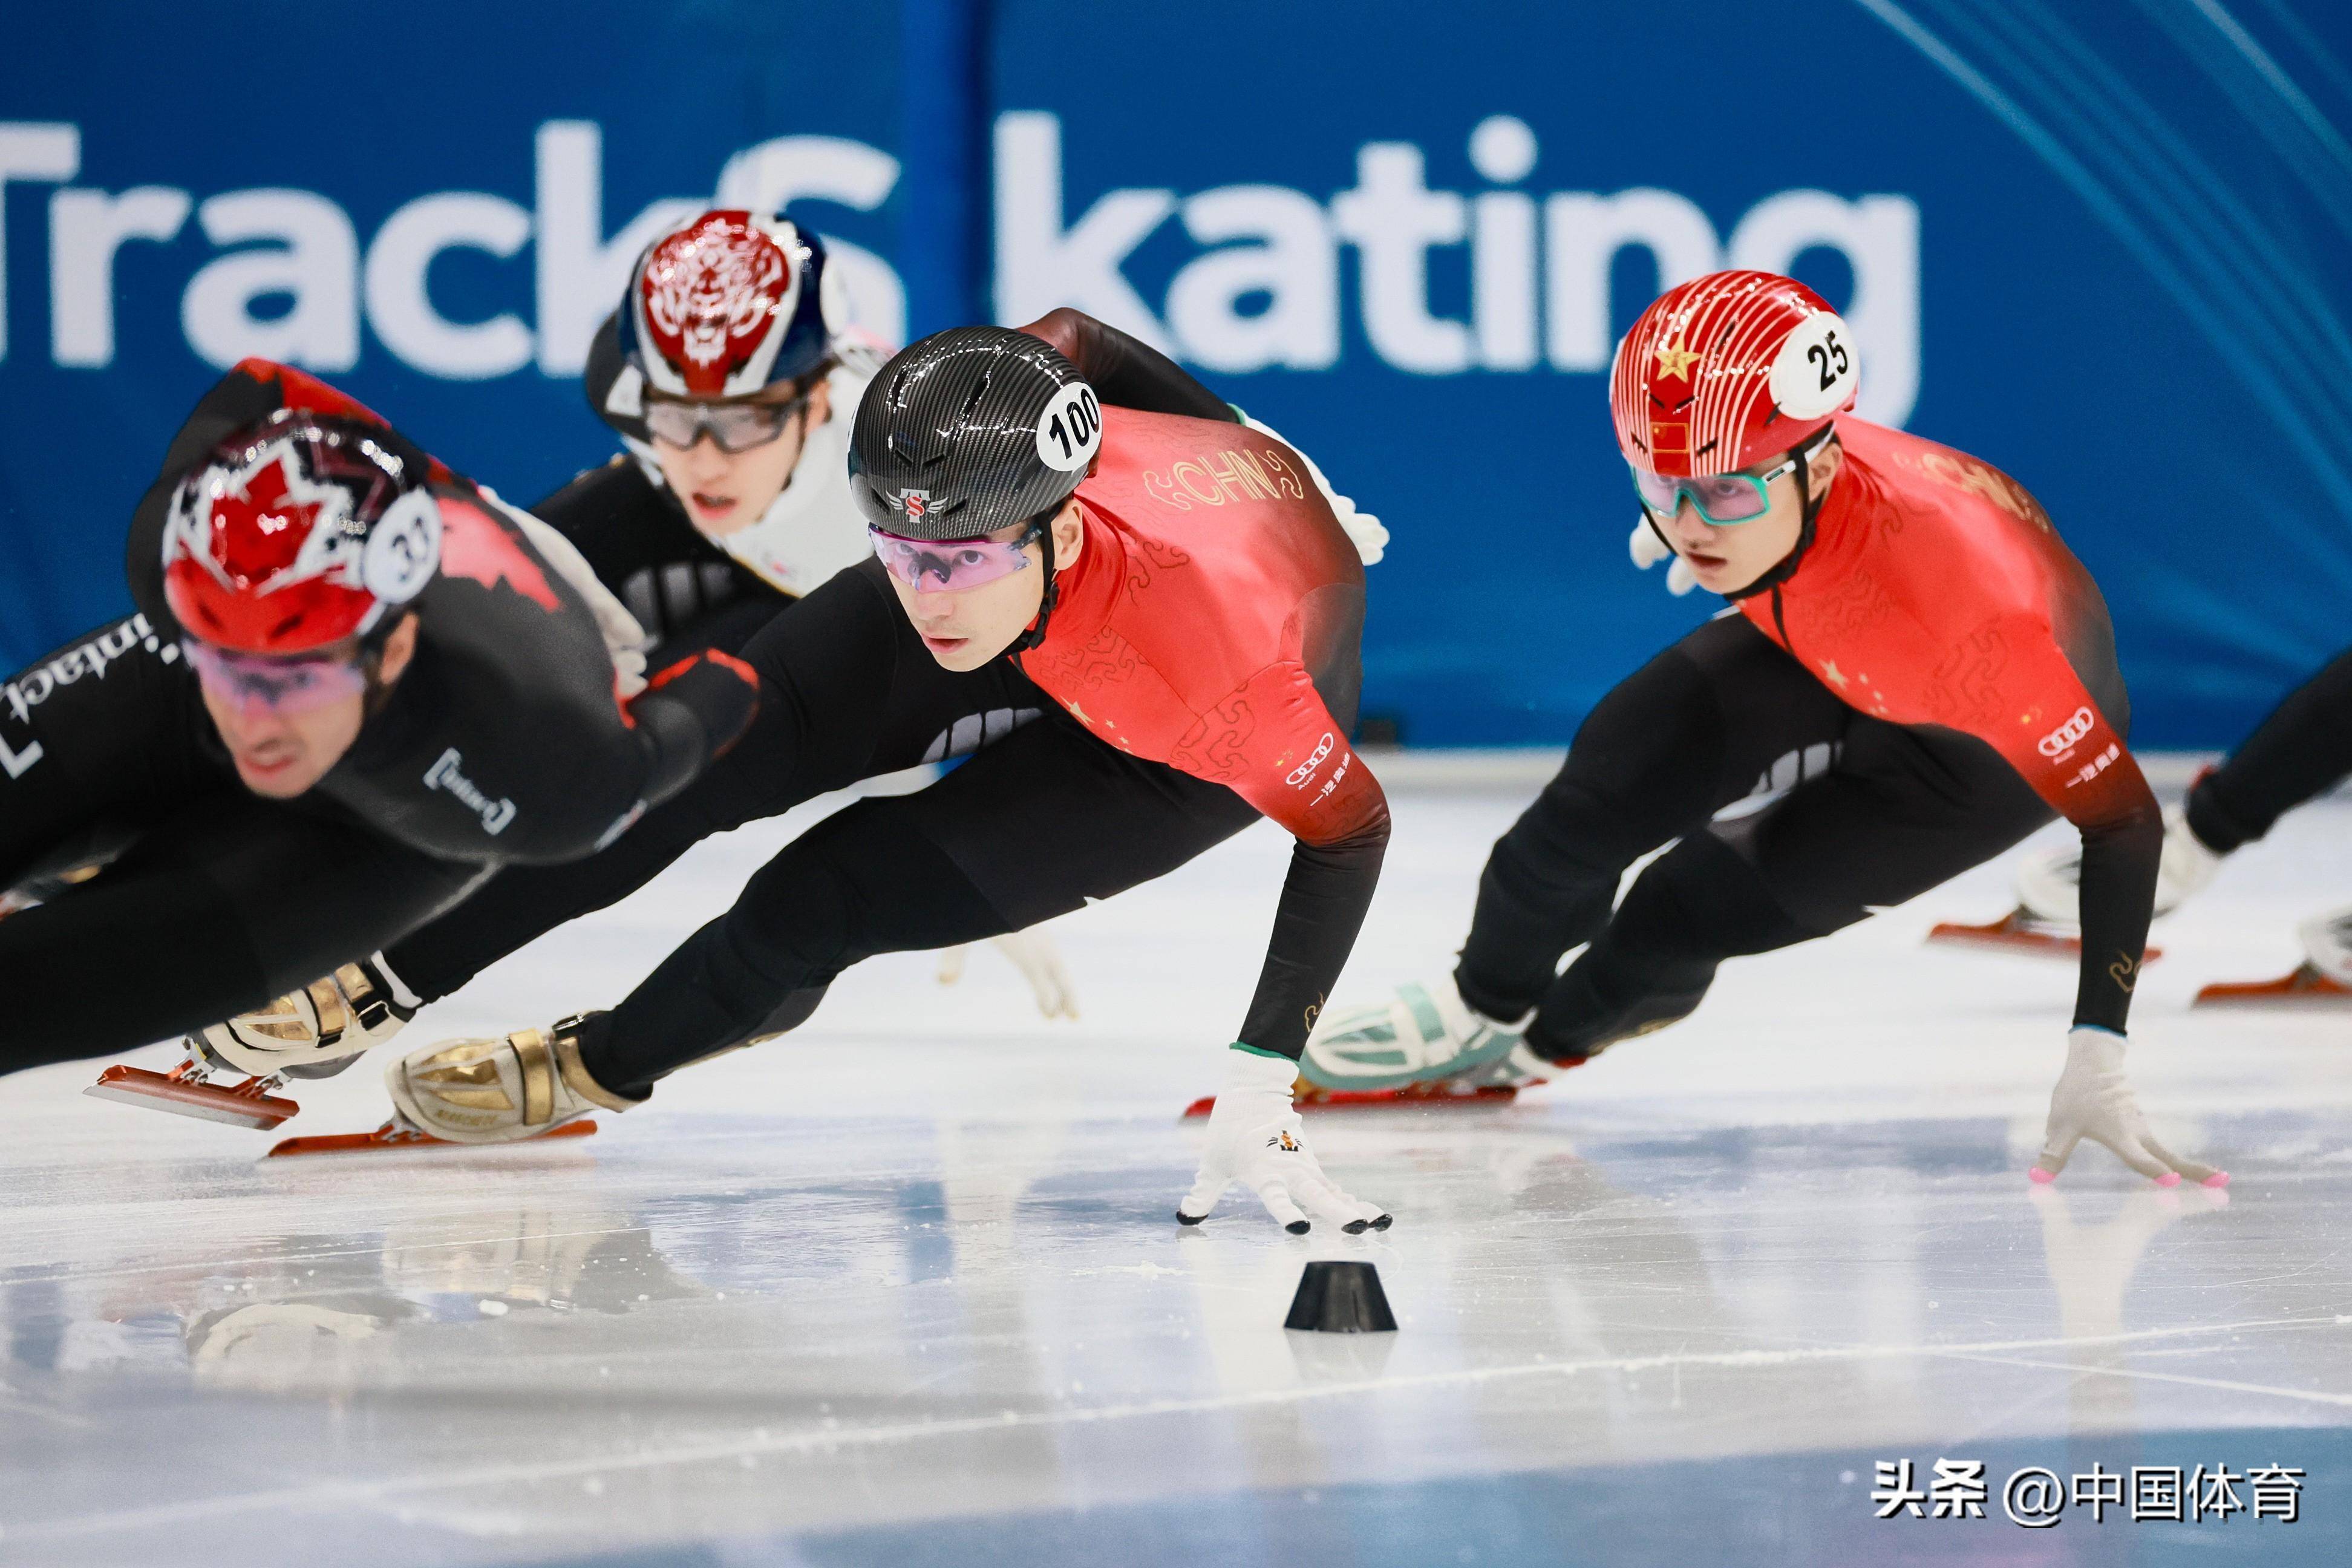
(1423, 1034)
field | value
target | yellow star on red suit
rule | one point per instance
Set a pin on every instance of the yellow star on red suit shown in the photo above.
(1674, 360)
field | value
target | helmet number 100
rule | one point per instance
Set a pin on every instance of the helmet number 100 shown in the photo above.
(1070, 429)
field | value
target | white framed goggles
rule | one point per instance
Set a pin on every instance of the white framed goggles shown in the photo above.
(951, 565)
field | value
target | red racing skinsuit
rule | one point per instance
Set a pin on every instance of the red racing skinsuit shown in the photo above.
(1211, 623)
(1936, 592)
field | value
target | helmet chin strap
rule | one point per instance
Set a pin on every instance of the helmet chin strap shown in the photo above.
(1810, 511)
(1037, 632)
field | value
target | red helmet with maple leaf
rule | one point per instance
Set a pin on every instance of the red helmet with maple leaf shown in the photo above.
(299, 533)
(1726, 370)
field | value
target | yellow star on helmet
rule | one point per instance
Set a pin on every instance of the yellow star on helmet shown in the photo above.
(1674, 360)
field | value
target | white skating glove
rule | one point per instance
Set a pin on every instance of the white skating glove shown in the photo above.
(1648, 550)
(1256, 1139)
(2049, 884)
(1032, 952)
(1363, 529)
(2094, 1101)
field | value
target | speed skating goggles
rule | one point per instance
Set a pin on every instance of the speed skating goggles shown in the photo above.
(736, 427)
(278, 683)
(1719, 498)
(951, 565)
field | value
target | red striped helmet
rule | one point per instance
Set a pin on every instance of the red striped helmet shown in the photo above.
(1726, 370)
(728, 304)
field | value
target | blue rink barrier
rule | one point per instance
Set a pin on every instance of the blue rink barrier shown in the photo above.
(2103, 247)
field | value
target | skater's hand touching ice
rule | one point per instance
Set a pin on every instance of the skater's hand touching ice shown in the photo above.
(1256, 1139)
(2094, 1101)
(1032, 952)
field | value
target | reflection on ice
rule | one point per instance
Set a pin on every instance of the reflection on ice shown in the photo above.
(913, 1278)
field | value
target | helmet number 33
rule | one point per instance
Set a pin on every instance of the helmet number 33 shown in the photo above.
(1069, 431)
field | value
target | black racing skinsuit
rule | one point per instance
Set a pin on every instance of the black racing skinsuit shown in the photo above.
(501, 743)
(849, 693)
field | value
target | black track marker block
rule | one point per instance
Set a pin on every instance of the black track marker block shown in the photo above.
(1341, 1299)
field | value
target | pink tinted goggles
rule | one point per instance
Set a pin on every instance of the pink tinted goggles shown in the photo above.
(950, 566)
(279, 683)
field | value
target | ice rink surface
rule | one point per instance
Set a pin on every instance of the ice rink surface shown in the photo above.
(907, 1288)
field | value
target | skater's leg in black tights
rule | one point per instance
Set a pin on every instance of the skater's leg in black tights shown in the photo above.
(1031, 828)
(1700, 726)
(1901, 811)
(2302, 749)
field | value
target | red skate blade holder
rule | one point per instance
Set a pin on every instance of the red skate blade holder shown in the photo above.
(2306, 988)
(397, 1134)
(1413, 1098)
(2016, 932)
(185, 1092)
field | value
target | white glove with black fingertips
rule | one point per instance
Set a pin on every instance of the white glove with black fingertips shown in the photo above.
(1255, 1138)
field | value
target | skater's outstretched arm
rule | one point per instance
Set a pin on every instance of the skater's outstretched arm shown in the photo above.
(2073, 755)
(1126, 371)
(846, 693)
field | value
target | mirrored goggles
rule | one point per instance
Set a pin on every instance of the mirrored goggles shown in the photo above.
(1720, 499)
(736, 427)
(278, 683)
(951, 565)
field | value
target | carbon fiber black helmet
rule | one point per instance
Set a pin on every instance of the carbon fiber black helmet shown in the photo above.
(970, 430)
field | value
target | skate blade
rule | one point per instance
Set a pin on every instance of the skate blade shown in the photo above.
(1418, 1094)
(2018, 932)
(395, 1134)
(245, 1106)
(2306, 987)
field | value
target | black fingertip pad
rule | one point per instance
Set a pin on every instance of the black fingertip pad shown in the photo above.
(1183, 1218)
(1298, 1227)
(1356, 1226)
(1385, 1221)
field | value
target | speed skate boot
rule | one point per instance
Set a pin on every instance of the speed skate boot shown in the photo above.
(523, 1085)
(2324, 978)
(318, 1031)
(1423, 1042)
(312, 1033)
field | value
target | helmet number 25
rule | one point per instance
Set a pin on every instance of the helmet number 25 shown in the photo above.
(1829, 356)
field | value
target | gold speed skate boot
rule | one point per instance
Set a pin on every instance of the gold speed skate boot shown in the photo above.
(312, 1033)
(315, 1032)
(496, 1092)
